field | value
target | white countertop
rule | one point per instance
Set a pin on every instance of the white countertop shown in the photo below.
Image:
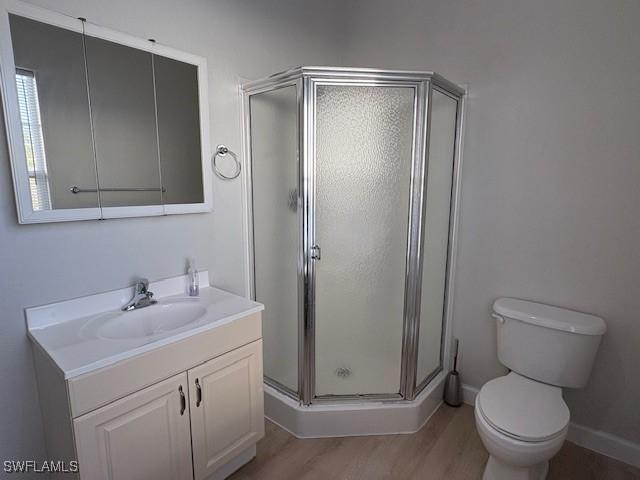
(64, 330)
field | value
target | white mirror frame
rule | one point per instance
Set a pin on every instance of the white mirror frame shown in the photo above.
(26, 213)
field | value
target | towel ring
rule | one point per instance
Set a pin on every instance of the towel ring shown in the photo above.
(221, 151)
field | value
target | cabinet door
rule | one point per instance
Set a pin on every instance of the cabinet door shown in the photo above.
(227, 411)
(140, 437)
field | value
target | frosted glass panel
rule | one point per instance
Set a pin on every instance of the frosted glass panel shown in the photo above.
(274, 140)
(436, 221)
(364, 139)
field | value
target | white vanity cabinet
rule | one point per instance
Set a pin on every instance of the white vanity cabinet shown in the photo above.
(183, 406)
(215, 408)
(225, 397)
(142, 436)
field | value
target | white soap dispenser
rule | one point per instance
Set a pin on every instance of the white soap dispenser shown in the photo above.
(194, 281)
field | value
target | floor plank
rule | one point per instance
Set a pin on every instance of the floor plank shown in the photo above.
(447, 447)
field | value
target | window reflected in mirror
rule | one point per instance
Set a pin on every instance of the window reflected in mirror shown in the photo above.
(54, 113)
(33, 139)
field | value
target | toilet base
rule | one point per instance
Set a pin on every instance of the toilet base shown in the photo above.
(496, 470)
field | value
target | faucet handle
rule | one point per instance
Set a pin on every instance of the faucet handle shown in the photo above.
(142, 285)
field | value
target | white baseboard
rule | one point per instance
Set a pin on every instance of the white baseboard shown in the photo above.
(605, 443)
(469, 394)
(596, 440)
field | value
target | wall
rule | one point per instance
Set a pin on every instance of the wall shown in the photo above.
(551, 167)
(45, 263)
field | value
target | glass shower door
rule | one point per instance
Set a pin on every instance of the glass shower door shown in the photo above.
(276, 227)
(363, 161)
(442, 139)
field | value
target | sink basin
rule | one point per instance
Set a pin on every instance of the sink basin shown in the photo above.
(146, 322)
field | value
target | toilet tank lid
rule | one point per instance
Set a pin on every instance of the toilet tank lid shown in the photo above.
(549, 316)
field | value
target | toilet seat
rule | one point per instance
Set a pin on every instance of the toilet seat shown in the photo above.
(523, 409)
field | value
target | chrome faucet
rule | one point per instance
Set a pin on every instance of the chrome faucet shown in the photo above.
(142, 297)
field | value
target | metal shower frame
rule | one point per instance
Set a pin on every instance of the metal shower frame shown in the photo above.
(306, 80)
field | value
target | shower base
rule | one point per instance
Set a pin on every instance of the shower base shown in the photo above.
(353, 419)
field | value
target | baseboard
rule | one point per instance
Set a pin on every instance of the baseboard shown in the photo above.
(596, 440)
(469, 394)
(605, 443)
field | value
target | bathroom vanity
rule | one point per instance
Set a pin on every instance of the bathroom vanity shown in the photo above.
(170, 391)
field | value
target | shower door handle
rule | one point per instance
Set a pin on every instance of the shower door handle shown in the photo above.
(316, 253)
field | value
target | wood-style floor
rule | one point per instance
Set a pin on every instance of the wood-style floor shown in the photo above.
(447, 447)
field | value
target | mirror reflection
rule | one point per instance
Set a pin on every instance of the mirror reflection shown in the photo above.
(123, 111)
(178, 130)
(105, 124)
(54, 112)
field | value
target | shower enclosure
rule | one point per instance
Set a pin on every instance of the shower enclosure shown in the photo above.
(351, 177)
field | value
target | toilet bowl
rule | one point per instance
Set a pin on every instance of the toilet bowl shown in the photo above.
(521, 417)
(522, 425)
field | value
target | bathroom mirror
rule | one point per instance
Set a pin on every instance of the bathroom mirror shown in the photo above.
(100, 124)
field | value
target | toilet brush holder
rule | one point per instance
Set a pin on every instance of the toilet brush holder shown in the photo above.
(453, 390)
(452, 385)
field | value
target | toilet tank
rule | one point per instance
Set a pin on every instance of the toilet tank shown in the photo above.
(549, 344)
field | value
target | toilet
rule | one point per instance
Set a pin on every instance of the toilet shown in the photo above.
(521, 417)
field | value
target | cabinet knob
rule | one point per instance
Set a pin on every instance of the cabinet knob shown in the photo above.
(198, 393)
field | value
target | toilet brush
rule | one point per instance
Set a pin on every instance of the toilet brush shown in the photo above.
(452, 386)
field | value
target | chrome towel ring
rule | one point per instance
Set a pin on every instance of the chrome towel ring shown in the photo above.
(221, 151)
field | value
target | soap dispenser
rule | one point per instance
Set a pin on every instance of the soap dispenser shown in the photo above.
(194, 281)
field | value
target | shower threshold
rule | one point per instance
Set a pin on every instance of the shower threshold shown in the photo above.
(353, 417)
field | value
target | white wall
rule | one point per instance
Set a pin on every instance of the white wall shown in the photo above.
(44, 263)
(551, 180)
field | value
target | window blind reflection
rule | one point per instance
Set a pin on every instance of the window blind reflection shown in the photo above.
(29, 107)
